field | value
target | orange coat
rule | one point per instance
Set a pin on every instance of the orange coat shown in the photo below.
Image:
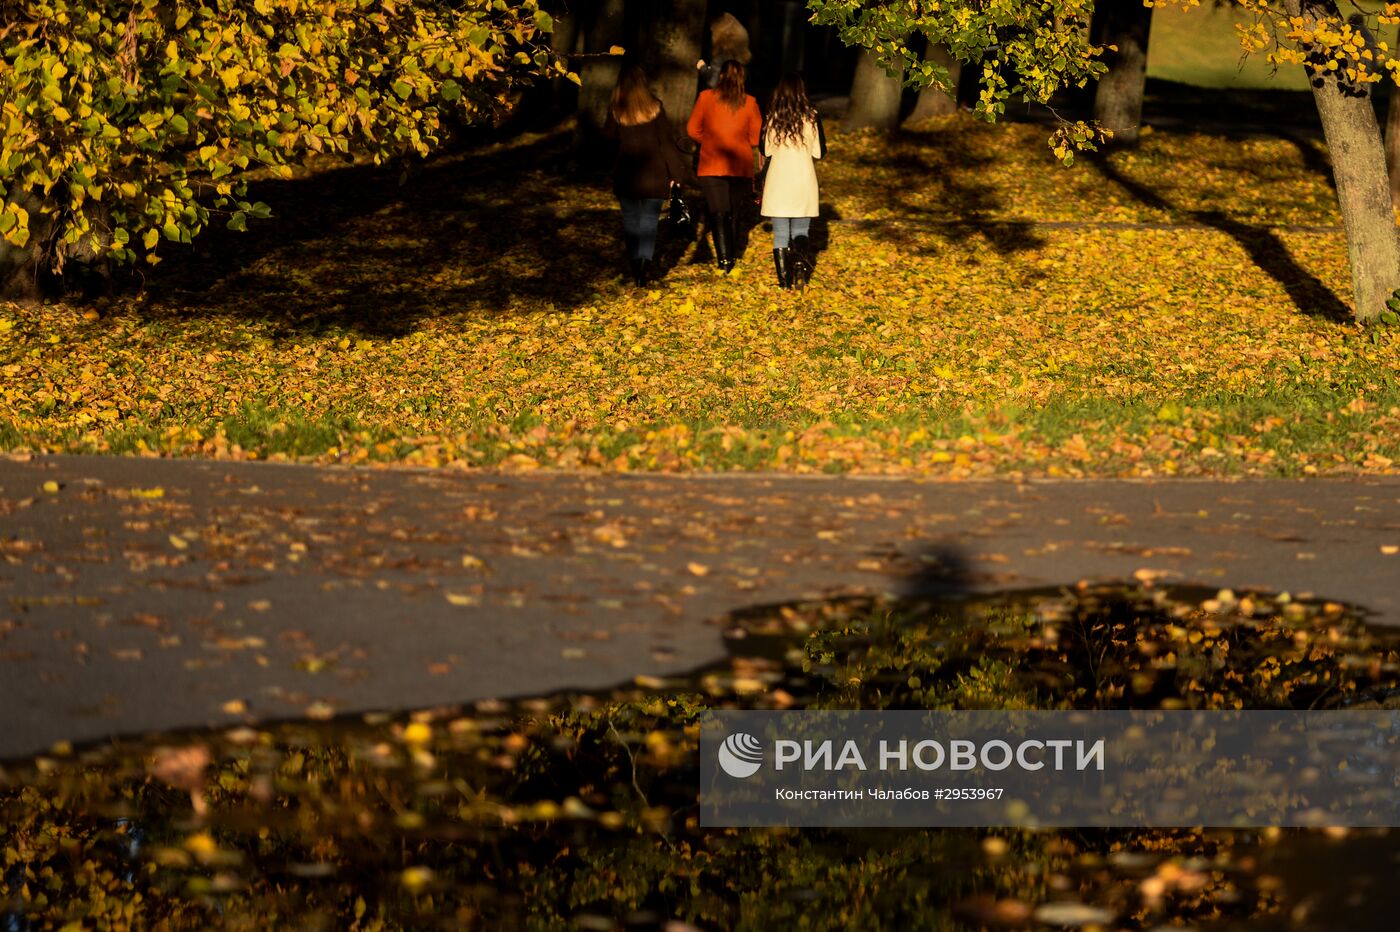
(727, 137)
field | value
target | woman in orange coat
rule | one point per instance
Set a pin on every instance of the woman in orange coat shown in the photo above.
(726, 123)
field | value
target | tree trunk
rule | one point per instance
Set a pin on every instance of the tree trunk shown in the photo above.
(1358, 164)
(1118, 98)
(1392, 144)
(933, 102)
(25, 274)
(46, 267)
(674, 48)
(19, 272)
(563, 94)
(760, 43)
(793, 53)
(875, 96)
(599, 71)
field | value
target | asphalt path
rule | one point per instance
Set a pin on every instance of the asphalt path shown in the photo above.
(152, 594)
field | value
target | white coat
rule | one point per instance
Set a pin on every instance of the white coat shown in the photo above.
(790, 185)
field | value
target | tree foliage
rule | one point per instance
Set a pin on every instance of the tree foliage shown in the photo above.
(128, 122)
(1315, 34)
(1030, 50)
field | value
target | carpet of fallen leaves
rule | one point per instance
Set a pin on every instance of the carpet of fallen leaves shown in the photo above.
(976, 310)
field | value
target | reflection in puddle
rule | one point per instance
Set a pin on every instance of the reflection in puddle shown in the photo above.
(580, 810)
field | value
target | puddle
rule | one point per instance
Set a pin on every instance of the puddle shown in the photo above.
(579, 810)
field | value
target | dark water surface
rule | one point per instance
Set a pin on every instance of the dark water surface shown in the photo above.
(579, 810)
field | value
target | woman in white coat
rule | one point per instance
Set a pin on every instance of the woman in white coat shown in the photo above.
(792, 140)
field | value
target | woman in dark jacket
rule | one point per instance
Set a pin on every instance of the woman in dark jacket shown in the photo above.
(647, 162)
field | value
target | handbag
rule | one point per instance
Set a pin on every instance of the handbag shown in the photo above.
(678, 219)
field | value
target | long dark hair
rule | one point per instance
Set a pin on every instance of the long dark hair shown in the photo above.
(790, 111)
(731, 84)
(633, 103)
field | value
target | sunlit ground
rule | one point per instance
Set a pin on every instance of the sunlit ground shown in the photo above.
(977, 309)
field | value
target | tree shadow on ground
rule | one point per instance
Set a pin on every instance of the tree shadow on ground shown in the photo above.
(748, 227)
(818, 238)
(375, 250)
(951, 169)
(486, 233)
(1172, 106)
(936, 181)
(1307, 292)
(1314, 157)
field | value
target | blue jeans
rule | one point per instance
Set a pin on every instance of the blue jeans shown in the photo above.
(640, 216)
(787, 229)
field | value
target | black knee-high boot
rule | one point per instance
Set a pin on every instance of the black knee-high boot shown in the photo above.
(781, 265)
(722, 225)
(800, 267)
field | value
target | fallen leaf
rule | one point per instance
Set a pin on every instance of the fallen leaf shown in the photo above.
(417, 733)
(415, 879)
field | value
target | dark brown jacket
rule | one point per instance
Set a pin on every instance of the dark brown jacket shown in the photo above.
(647, 158)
